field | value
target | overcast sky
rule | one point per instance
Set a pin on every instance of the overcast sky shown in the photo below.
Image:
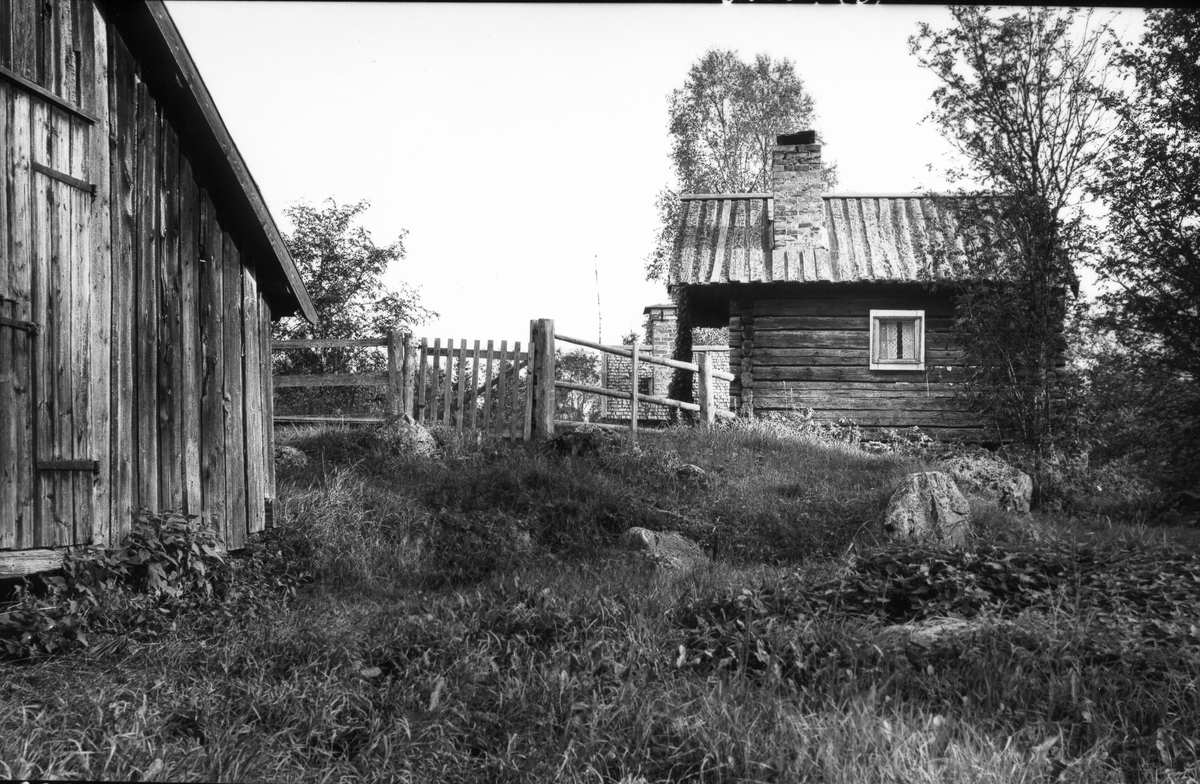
(522, 146)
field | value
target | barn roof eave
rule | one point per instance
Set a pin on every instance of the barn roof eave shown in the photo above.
(155, 40)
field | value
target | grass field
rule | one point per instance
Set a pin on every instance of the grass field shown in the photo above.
(466, 619)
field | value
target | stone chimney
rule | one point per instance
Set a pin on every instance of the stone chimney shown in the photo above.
(799, 219)
(662, 323)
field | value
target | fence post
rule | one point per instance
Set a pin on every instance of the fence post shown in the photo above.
(633, 391)
(707, 415)
(407, 374)
(541, 378)
(394, 405)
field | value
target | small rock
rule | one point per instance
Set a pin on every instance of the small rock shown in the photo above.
(991, 480)
(666, 549)
(927, 506)
(408, 438)
(289, 457)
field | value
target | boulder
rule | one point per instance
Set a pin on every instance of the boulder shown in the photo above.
(666, 549)
(408, 438)
(991, 480)
(289, 457)
(928, 506)
(584, 439)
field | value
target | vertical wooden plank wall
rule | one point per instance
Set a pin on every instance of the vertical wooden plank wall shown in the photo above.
(212, 394)
(122, 111)
(94, 46)
(147, 300)
(170, 336)
(154, 337)
(189, 330)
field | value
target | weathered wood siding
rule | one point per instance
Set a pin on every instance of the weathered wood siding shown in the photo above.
(151, 327)
(800, 347)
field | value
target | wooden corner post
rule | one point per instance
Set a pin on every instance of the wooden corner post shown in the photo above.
(707, 415)
(394, 388)
(541, 378)
(634, 374)
(408, 376)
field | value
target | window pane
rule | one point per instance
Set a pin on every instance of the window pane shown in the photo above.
(908, 340)
(888, 339)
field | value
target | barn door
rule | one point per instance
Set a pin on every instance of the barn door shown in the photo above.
(46, 470)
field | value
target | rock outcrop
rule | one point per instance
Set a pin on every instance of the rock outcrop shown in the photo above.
(928, 507)
(991, 480)
(666, 549)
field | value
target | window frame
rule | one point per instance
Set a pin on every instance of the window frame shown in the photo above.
(915, 364)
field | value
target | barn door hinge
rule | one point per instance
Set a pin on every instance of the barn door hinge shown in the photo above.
(28, 326)
(69, 465)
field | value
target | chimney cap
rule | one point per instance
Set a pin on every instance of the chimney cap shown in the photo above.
(799, 137)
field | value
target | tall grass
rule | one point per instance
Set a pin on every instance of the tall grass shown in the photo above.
(469, 621)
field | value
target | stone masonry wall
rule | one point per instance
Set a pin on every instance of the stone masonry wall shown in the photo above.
(616, 369)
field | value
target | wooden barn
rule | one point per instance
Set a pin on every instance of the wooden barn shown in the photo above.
(141, 271)
(827, 299)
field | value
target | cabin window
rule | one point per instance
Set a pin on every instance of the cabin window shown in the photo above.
(897, 340)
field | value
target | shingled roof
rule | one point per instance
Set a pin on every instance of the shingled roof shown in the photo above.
(726, 238)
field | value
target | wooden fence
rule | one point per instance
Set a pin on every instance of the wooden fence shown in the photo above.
(481, 388)
(705, 407)
(508, 393)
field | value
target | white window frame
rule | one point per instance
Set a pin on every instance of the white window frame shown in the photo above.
(918, 363)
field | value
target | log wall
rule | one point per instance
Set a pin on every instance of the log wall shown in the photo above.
(800, 347)
(150, 351)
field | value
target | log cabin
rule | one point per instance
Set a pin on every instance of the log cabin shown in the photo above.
(141, 272)
(828, 299)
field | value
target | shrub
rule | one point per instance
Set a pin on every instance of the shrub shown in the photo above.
(165, 564)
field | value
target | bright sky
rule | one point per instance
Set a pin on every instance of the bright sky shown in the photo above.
(522, 146)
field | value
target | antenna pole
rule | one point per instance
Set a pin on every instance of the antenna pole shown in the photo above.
(599, 317)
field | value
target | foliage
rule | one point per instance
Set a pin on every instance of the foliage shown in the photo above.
(579, 367)
(1143, 418)
(1013, 315)
(165, 564)
(410, 660)
(1022, 99)
(1151, 185)
(723, 122)
(343, 271)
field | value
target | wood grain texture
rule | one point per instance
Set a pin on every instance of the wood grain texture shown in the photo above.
(252, 410)
(170, 328)
(191, 367)
(448, 388)
(501, 388)
(123, 100)
(81, 316)
(487, 388)
(461, 381)
(95, 97)
(147, 300)
(472, 416)
(212, 384)
(235, 421)
(431, 413)
(264, 314)
(422, 374)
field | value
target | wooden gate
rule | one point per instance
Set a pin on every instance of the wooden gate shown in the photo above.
(482, 387)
